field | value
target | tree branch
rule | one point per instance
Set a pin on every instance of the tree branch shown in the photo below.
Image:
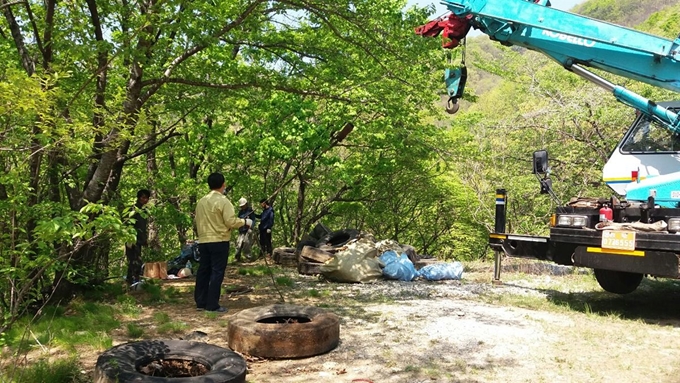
(6, 5)
(148, 148)
(15, 29)
(198, 48)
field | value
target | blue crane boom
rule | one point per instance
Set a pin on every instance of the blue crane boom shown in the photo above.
(572, 40)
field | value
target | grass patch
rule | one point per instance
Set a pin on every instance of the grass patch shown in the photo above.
(255, 271)
(314, 293)
(653, 302)
(61, 371)
(172, 328)
(134, 331)
(172, 292)
(161, 317)
(411, 368)
(83, 323)
(153, 293)
(284, 281)
(105, 292)
(128, 305)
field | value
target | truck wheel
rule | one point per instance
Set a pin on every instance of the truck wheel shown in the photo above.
(618, 282)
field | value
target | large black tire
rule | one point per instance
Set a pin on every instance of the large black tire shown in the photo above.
(119, 364)
(250, 335)
(618, 282)
(319, 231)
(338, 238)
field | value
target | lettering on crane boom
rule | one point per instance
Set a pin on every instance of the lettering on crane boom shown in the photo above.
(570, 39)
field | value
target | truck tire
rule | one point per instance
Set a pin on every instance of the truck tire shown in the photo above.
(319, 231)
(338, 238)
(251, 331)
(119, 364)
(618, 282)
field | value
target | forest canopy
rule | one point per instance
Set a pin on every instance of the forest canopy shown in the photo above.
(331, 110)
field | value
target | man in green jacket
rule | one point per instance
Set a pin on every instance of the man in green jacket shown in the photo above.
(215, 219)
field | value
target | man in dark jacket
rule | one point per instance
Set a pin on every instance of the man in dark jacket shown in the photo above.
(245, 233)
(133, 251)
(266, 224)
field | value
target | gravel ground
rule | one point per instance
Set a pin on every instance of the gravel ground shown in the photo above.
(420, 331)
(527, 330)
(447, 331)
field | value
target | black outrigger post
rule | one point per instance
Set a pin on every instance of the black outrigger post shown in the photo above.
(499, 228)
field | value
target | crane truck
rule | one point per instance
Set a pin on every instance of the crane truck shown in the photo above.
(635, 232)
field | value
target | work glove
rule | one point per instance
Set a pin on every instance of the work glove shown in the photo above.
(249, 222)
(269, 231)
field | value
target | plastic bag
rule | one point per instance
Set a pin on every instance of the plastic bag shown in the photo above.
(398, 267)
(440, 271)
(356, 264)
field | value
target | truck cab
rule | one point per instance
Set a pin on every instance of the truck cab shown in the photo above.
(645, 160)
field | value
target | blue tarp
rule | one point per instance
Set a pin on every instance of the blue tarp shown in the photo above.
(440, 271)
(398, 267)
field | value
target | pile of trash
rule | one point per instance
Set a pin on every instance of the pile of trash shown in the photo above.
(350, 256)
(179, 267)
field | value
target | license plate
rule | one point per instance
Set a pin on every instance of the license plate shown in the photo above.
(618, 240)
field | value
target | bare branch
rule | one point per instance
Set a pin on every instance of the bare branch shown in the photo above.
(38, 40)
(244, 86)
(7, 5)
(149, 148)
(15, 29)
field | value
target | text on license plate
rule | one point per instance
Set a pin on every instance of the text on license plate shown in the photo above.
(620, 240)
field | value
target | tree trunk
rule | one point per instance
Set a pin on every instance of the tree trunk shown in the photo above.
(152, 169)
(299, 211)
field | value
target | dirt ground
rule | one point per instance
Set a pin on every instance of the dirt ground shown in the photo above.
(550, 327)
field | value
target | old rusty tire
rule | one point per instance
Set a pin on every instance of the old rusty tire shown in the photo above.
(119, 364)
(255, 332)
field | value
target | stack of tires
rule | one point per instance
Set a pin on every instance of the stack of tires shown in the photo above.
(284, 256)
(311, 239)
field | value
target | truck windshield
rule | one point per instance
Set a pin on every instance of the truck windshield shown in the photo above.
(652, 137)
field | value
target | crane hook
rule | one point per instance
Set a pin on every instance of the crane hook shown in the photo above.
(452, 105)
